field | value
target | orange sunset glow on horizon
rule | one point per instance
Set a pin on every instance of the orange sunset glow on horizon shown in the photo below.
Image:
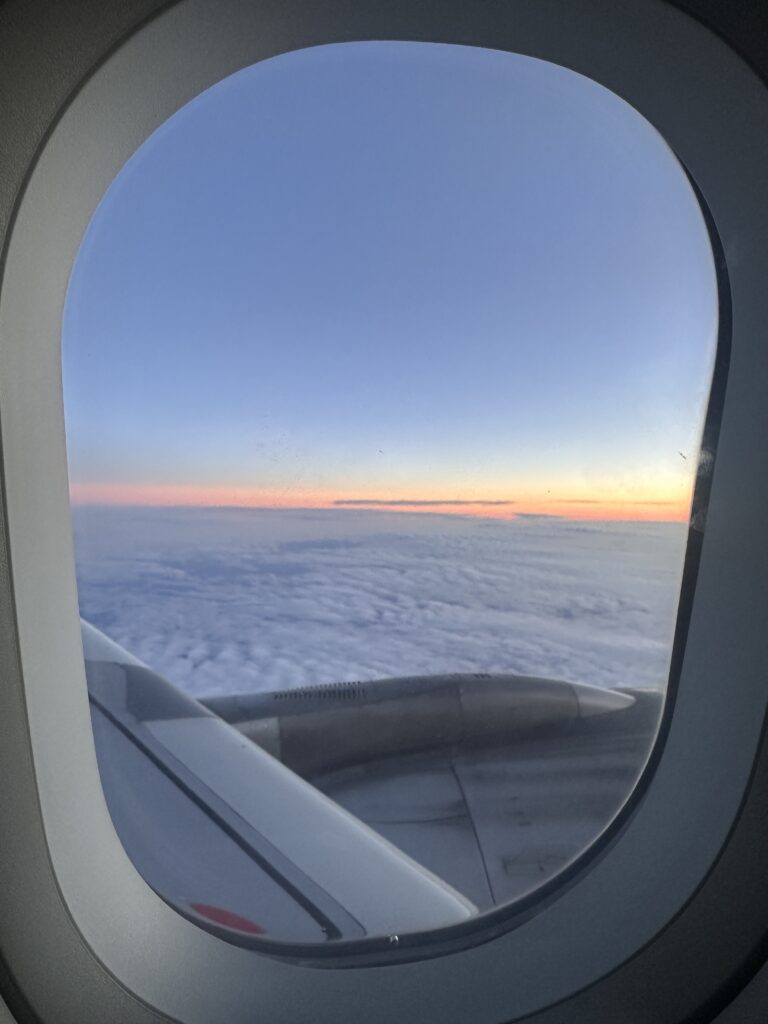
(668, 507)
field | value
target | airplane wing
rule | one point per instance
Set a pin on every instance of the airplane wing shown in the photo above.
(358, 809)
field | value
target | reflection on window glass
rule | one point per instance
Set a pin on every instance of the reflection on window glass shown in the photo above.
(385, 371)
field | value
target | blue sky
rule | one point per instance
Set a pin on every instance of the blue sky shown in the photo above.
(396, 272)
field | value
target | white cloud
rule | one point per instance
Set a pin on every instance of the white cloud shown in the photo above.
(232, 600)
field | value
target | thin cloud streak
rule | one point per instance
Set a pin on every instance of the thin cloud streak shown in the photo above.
(395, 502)
(597, 501)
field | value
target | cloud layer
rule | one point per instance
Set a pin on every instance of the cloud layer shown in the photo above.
(234, 600)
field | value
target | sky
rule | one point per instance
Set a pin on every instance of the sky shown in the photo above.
(396, 276)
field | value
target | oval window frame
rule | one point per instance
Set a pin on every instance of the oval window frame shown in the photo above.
(614, 49)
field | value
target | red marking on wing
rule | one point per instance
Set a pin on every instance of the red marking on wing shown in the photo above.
(228, 918)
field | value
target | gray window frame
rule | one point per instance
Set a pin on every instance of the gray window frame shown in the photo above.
(83, 938)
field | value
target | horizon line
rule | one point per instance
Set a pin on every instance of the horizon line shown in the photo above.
(403, 510)
(624, 508)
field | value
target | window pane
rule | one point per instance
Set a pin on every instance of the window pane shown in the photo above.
(385, 373)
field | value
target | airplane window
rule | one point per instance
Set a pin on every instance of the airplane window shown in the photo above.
(386, 367)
